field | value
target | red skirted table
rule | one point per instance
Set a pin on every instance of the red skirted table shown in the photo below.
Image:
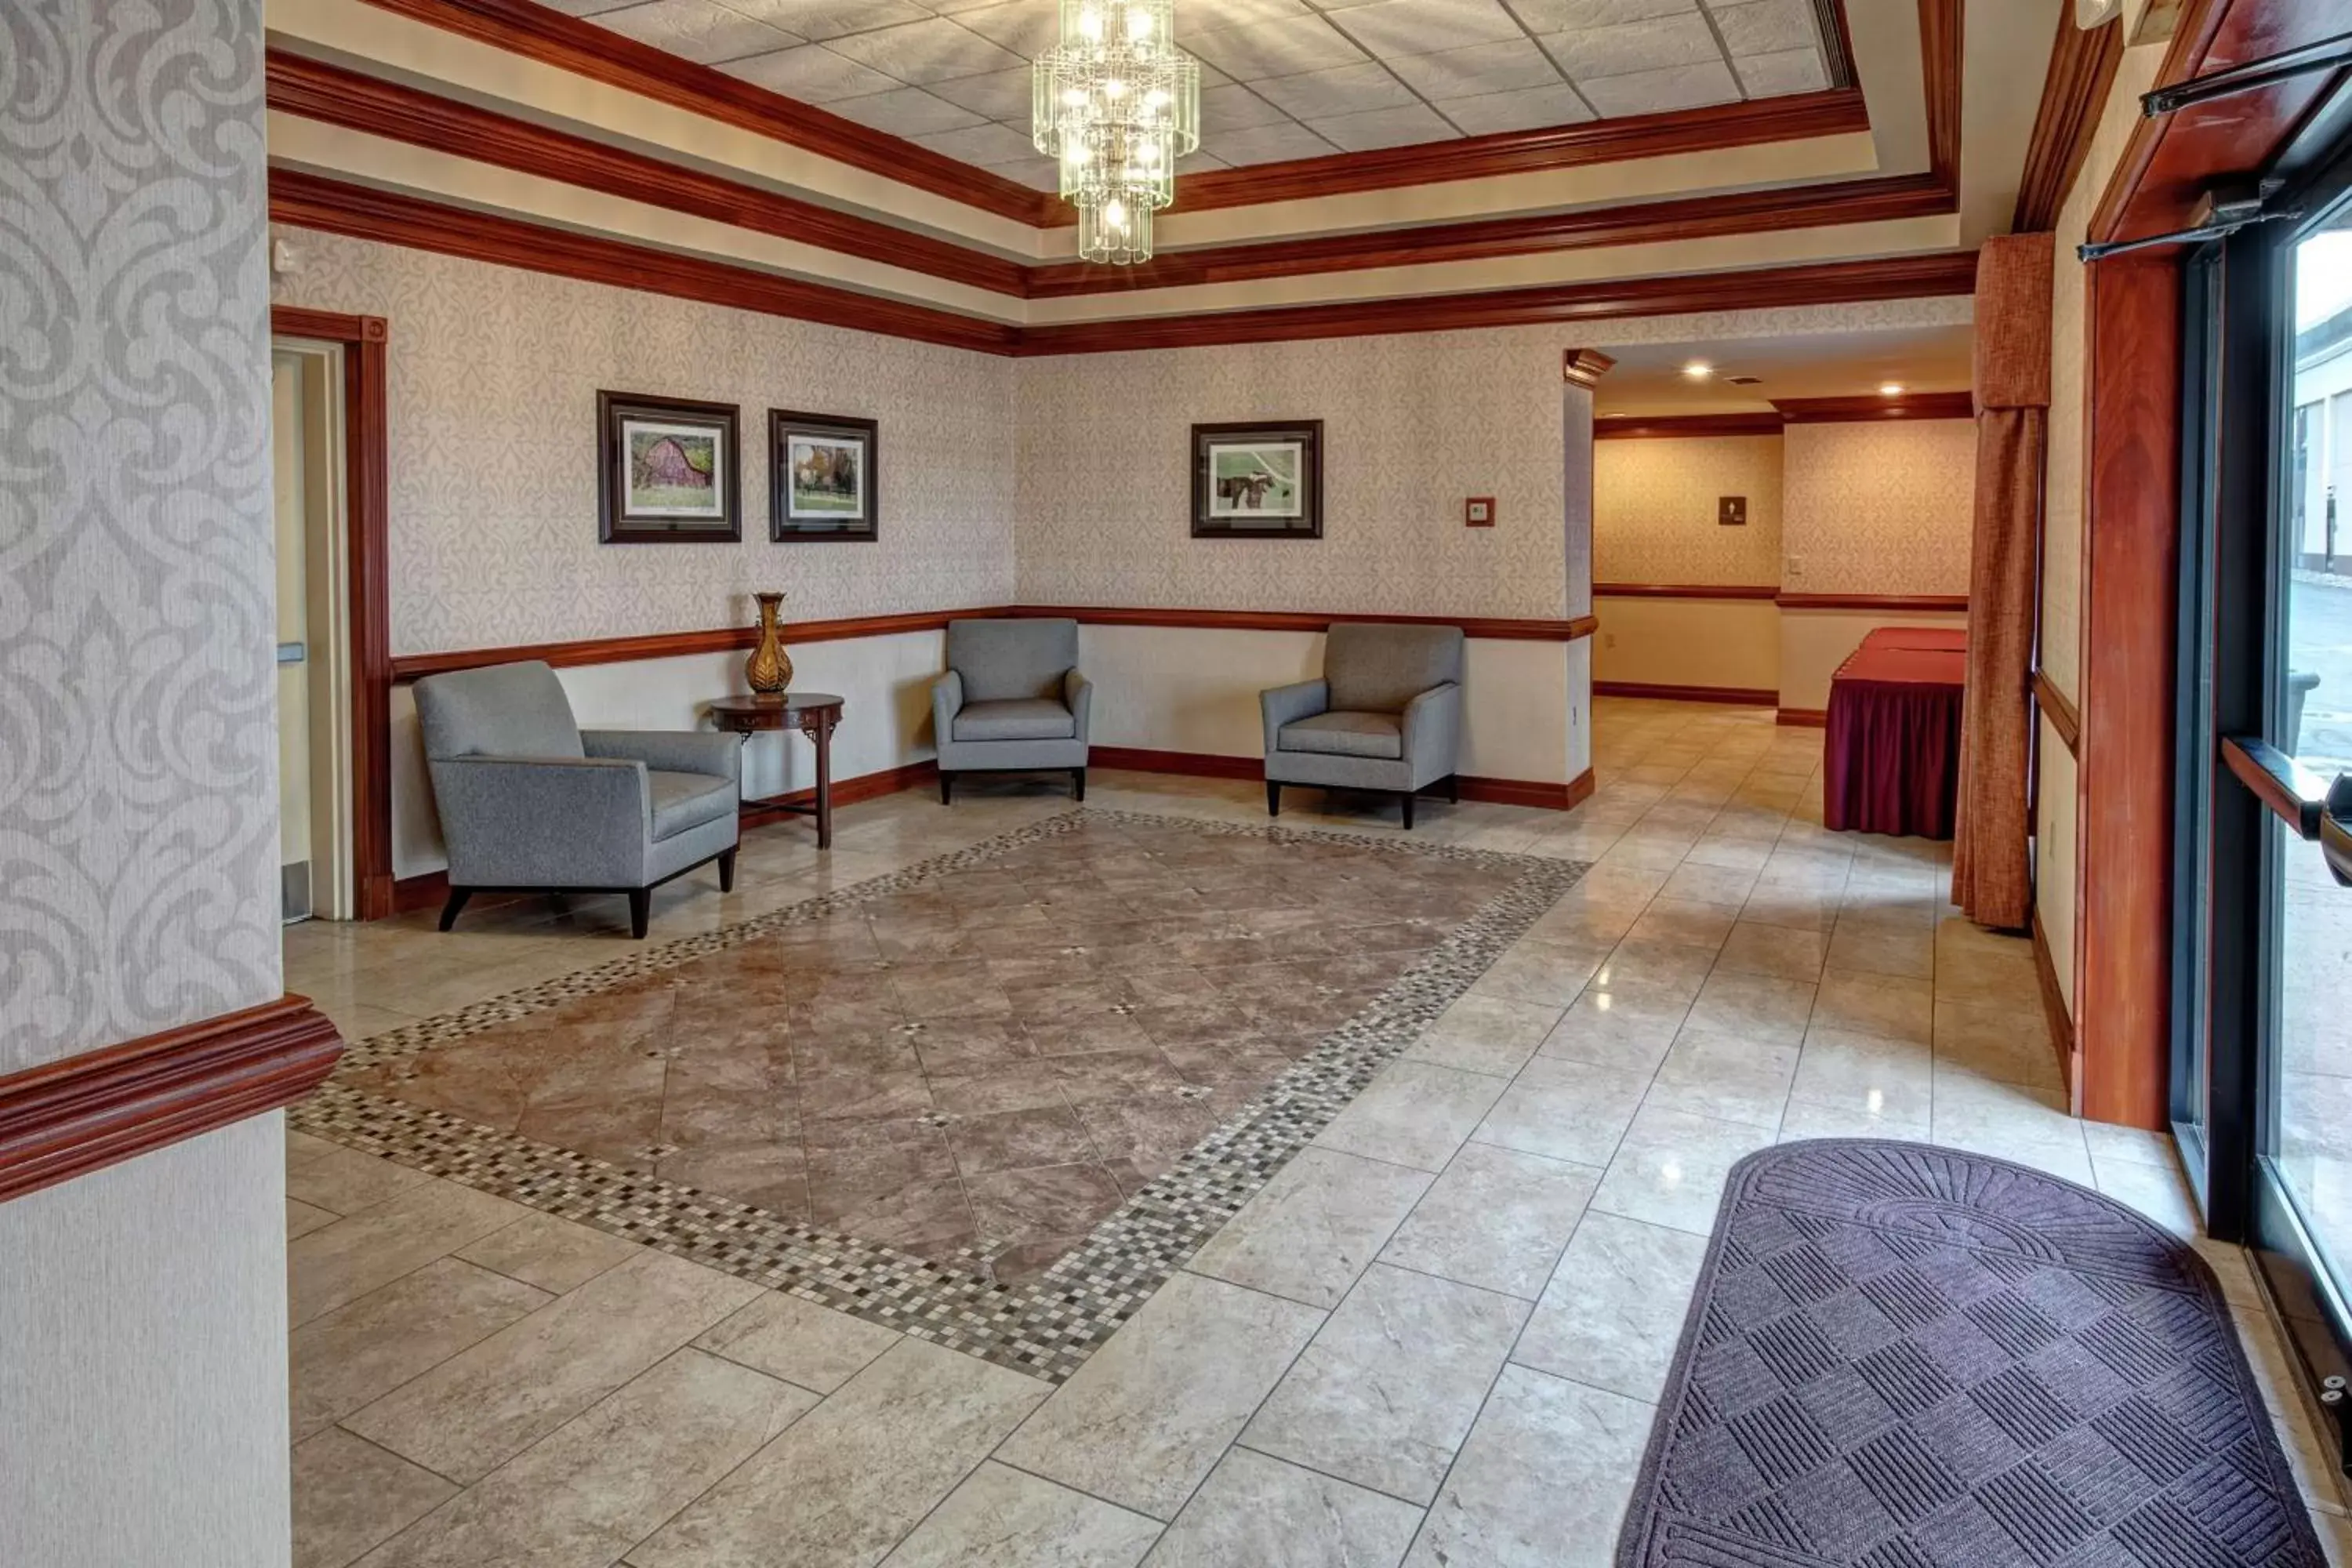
(1945, 639)
(1892, 755)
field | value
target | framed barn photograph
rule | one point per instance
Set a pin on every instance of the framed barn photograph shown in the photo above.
(1258, 481)
(823, 477)
(667, 470)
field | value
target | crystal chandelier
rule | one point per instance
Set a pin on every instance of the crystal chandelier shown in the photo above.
(1117, 104)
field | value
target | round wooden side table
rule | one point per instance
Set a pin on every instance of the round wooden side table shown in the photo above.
(813, 714)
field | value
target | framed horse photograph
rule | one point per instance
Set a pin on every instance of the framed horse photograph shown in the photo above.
(1258, 480)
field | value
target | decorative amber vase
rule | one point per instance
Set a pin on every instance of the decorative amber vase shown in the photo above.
(769, 668)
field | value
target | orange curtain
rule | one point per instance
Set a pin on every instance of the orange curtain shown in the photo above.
(1992, 873)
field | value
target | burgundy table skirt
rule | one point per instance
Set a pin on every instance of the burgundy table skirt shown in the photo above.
(1892, 761)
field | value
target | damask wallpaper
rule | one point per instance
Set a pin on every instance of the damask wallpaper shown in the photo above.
(1653, 510)
(138, 764)
(493, 375)
(1878, 509)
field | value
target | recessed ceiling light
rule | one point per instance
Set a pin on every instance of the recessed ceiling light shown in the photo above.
(1698, 370)
(1890, 389)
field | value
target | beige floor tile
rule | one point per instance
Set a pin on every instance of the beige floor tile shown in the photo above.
(1415, 1113)
(1659, 969)
(1542, 1482)
(1799, 909)
(1757, 947)
(1612, 1312)
(1883, 1004)
(1671, 1168)
(1488, 1033)
(602, 1482)
(551, 1252)
(1731, 1078)
(1541, 973)
(1496, 1218)
(1683, 921)
(2012, 1047)
(1867, 1075)
(476, 1410)
(844, 1483)
(1759, 1006)
(2162, 1195)
(1386, 1391)
(1004, 1518)
(1627, 1028)
(1711, 882)
(1808, 1118)
(800, 1342)
(302, 1218)
(1312, 1230)
(342, 1262)
(1260, 1511)
(1871, 948)
(357, 1354)
(1565, 1110)
(1144, 1420)
(350, 1495)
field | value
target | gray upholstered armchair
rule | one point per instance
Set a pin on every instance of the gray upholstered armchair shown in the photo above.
(532, 803)
(1012, 702)
(1386, 716)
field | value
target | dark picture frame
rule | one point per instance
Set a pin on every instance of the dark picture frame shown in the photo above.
(1258, 480)
(824, 473)
(655, 456)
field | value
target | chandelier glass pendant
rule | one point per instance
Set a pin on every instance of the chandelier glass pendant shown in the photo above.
(1115, 104)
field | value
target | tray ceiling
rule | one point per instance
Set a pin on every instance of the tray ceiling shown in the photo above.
(1280, 80)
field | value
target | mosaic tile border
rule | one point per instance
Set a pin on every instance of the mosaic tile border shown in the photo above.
(1046, 1327)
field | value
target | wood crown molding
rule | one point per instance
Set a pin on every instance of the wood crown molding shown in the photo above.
(1900, 603)
(1585, 367)
(1942, 43)
(1686, 590)
(544, 34)
(65, 1118)
(2054, 706)
(1684, 427)
(2073, 95)
(1485, 627)
(1867, 409)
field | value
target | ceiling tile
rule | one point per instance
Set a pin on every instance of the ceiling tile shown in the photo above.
(1384, 128)
(1269, 144)
(906, 111)
(1766, 26)
(1198, 163)
(1392, 28)
(1348, 89)
(1791, 71)
(999, 95)
(586, 8)
(1653, 44)
(1534, 109)
(1235, 107)
(1656, 92)
(1575, 15)
(696, 30)
(1261, 49)
(1478, 72)
(926, 52)
(1037, 173)
(813, 73)
(1024, 27)
(985, 146)
(820, 19)
(1210, 16)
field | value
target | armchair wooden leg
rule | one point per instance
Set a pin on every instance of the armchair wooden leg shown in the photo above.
(727, 871)
(1408, 811)
(946, 787)
(641, 911)
(1078, 784)
(1273, 798)
(457, 897)
(1454, 789)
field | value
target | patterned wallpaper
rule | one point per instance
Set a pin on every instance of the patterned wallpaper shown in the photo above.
(138, 751)
(1878, 508)
(1653, 510)
(493, 380)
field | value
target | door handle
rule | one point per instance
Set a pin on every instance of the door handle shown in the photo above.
(2335, 830)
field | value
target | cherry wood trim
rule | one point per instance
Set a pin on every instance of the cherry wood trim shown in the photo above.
(1764, 287)
(1585, 367)
(1941, 51)
(1803, 718)
(1741, 696)
(2054, 1007)
(544, 34)
(2131, 548)
(367, 534)
(65, 1119)
(673, 645)
(334, 95)
(1685, 427)
(310, 201)
(2294, 795)
(2061, 713)
(1686, 590)
(1833, 112)
(1867, 408)
(1901, 603)
(846, 791)
(2073, 95)
(1486, 628)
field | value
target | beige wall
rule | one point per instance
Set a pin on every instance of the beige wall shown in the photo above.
(1881, 508)
(1654, 513)
(1731, 643)
(1814, 643)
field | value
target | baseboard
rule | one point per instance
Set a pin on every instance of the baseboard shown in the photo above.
(846, 791)
(2054, 1007)
(1538, 792)
(1802, 718)
(1744, 696)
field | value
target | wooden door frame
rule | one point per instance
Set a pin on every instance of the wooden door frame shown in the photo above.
(368, 607)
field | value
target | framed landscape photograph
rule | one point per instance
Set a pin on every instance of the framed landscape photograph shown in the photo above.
(667, 470)
(1258, 481)
(824, 482)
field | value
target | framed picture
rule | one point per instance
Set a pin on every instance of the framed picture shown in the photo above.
(667, 470)
(824, 483)
(1258, 481)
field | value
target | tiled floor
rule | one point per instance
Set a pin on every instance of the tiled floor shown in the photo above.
(1433, 1337)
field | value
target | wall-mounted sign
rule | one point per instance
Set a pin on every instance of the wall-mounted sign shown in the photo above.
(1478, 512)
(1731, 511)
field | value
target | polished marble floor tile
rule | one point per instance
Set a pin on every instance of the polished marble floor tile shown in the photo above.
(1257, 1510)
(1496, 1218)
(798, 1341)
(1312, 1230)
(353, 1355)
(1598, 1321)
(1004, 1518)
(349, 1495)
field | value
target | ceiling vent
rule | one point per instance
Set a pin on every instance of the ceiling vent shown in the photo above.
(1743, 381)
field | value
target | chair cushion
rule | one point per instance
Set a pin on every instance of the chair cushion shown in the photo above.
(501, 711)
(1001, 659)
(687, 800)
(1377, 667)
(1346, 735)
(1016, 719)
